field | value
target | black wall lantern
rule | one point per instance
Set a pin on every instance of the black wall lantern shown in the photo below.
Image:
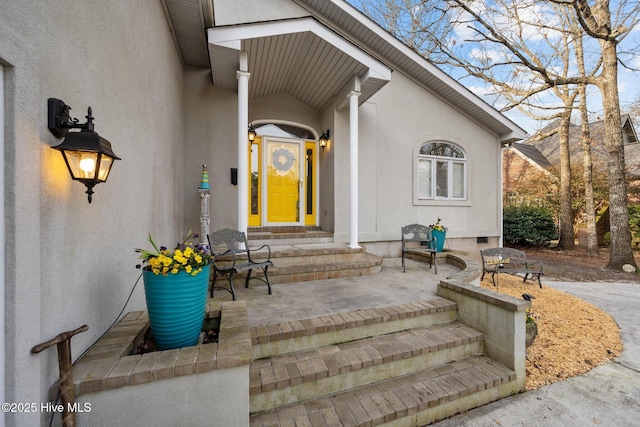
(324, 139)
(88, 155)
(251, 133)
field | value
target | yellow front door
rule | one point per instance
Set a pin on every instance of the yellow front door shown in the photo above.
(283, 181)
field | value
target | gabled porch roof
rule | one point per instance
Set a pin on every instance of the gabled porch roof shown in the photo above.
(299, 57)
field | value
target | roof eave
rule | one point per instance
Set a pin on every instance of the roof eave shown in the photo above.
(449, 89)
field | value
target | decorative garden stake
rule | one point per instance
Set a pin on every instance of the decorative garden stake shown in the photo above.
(205, 195)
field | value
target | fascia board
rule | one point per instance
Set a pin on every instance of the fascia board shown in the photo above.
(232, 37)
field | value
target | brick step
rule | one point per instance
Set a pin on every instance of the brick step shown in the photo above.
(414, 399)
(288, 236)
(300, 335)
(366, 264)
(306, 375)
(307, 254)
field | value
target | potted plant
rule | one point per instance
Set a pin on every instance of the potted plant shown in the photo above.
(175, 286)
(439, 231)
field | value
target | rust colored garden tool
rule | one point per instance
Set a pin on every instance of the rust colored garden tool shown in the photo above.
(67, 393)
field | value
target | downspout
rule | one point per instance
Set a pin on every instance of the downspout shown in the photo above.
(505, 146)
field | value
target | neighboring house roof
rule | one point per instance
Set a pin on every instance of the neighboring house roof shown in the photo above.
(301, 40)
(532, 154)
(548, 146)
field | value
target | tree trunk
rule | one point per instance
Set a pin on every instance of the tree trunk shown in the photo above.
(587, 161)
(567, 240)
(621, 251)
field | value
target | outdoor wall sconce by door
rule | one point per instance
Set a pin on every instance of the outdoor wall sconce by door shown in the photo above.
(251, 133)
(88, 155)
(324, 139)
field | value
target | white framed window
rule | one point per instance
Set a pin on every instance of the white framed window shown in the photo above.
(441, 172)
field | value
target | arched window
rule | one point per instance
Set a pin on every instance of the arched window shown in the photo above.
(442, 172)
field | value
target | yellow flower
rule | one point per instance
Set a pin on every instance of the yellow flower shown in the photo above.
(185, 257)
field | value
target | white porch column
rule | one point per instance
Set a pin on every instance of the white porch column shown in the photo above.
(353, 169)
(243, 123)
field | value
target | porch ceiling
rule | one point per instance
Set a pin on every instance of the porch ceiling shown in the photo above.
(298, 57)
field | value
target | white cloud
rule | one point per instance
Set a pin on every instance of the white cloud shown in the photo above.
(482, 91)
(490, 55)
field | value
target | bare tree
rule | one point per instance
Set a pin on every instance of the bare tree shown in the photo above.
(597, 23)
(405, 19)
(587, 161)
(500, 48)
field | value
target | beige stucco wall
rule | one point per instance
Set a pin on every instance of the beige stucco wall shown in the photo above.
(214, 398)
(70, 262)
(210, 137)
(392, 125)
(230, 12)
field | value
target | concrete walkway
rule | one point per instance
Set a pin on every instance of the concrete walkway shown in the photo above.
(303, 300)
(608, 395)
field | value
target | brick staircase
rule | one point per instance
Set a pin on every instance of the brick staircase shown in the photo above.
(301, 255)
(410, 364)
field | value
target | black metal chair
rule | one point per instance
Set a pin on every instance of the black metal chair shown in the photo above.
(419, 234)
(232, 255)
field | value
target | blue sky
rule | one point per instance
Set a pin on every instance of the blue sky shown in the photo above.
(628, 81)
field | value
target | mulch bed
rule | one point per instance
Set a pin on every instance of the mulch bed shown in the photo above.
(573, 335)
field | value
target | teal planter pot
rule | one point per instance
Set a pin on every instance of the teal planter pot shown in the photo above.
(176, 305)
(440, 237)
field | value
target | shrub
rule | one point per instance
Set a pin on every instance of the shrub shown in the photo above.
(634, 224)
(528, 226)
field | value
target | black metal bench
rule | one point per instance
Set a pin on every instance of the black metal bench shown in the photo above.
(511, 261)
(232, 255)
(421, 234)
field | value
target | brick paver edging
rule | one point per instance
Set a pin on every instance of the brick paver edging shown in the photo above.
(109, 365)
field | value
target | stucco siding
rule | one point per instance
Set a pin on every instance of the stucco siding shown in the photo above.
(211, 120)
(393, 124)
(231, 12)
(71, 262)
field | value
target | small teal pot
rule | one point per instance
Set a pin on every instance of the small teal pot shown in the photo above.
(176, 305)
(440, 237)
